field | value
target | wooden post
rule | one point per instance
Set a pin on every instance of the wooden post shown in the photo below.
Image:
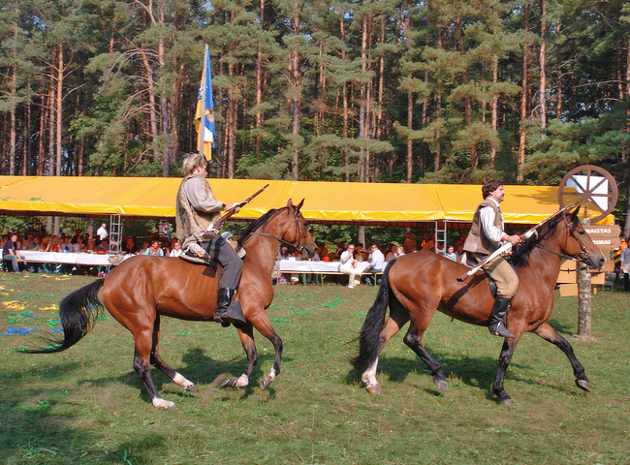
(584, 297)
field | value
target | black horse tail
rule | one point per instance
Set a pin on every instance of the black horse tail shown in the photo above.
(79, 312)
(370, 338)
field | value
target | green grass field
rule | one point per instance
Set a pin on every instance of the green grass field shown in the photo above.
(88, 406)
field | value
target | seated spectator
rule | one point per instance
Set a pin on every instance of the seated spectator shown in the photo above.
(154, 250)
(130, 246)
(91, 246)
(103, 247)
(78, 245)
(460, 255)
(53, 244)
(450, 253)
(34, 244)
(66, 246)
(348, 265)
(10, 253)
(392, 254)
(27, 243)
(410, 245)
(176, 249)
(377, 263)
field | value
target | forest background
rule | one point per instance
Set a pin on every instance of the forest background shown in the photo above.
(373, 91)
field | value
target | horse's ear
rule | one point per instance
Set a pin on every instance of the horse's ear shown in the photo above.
(290, 203)
(297, 209)
(574, 213)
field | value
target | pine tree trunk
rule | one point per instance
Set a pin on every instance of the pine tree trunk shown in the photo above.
(41, 157)
(59, 107)
(259, 81)
(409, 139)
(524, 99)
(346, 110)
(542, 102)
(362, 103)
(495, 106)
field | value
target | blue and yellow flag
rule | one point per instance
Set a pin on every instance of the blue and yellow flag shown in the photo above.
(205, 106)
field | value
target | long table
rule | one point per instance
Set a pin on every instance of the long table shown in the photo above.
(89, 259)
(320, 268)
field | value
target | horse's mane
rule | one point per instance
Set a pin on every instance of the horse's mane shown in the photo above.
(520, 257)
(254, 226)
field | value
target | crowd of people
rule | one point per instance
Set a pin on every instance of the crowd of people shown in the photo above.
(356, 261)
(38, 240)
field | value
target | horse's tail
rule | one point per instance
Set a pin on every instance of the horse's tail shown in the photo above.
(79, 312)
(370, 338)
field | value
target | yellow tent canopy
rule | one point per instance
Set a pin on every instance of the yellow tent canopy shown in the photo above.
(325, 202)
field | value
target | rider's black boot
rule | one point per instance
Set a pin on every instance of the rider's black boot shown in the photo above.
(228, 310)
(497, 318)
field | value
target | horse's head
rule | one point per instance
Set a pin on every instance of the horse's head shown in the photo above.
(296, 233)
(577, 242)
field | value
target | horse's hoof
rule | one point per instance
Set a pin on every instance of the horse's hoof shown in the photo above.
(583, 384)
(191, 388)
(265, 382)
(164, 404)
(441, 384)
(374, 389)
(230, 382)
(507, 401)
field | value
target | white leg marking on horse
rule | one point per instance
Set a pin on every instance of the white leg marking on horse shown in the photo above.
(158, 402)
(242, 381)
(369, 375)
(183, 382)
(272, 374)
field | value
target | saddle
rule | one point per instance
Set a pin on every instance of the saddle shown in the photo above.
(195, 252)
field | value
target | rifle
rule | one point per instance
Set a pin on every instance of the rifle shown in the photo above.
(218, 222)
(505, 247)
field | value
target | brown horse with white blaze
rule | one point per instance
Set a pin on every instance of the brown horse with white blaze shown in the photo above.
(142, 289)
(416, 285)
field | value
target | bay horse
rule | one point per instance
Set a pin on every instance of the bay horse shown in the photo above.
(416, 285)
(142, 289)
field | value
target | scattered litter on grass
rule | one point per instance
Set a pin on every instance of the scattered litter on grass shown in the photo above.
(274, 306)
(58, 330)
(360, 312)
(52, 322)
(185, 333)
(52, 307)
(44, 404)
(288, 300)
(11, 331)
(14, 305)
(126, 460)
(333, 303)
(298, 312)
(23, 318)
(281, 320)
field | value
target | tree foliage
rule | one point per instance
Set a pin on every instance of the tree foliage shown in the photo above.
(379, 90)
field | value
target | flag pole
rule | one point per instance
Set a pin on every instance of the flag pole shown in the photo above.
(202, 120)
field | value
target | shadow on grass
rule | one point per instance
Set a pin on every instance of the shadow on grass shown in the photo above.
(35, 431)
(198, 367)
(478, 372)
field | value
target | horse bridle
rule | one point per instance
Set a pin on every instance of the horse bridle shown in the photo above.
(294, 245)
(584, 251)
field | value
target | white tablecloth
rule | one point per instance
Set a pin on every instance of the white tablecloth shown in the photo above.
(66, 258)
(291, 266)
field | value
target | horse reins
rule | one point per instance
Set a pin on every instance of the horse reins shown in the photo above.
(294, 245)
(567, 257)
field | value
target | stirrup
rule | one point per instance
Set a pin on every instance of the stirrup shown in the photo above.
(499, 329)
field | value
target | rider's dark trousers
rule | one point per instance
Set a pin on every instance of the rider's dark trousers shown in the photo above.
(221, 251)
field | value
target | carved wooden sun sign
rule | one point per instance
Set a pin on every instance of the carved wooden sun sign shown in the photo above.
(593, 187)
